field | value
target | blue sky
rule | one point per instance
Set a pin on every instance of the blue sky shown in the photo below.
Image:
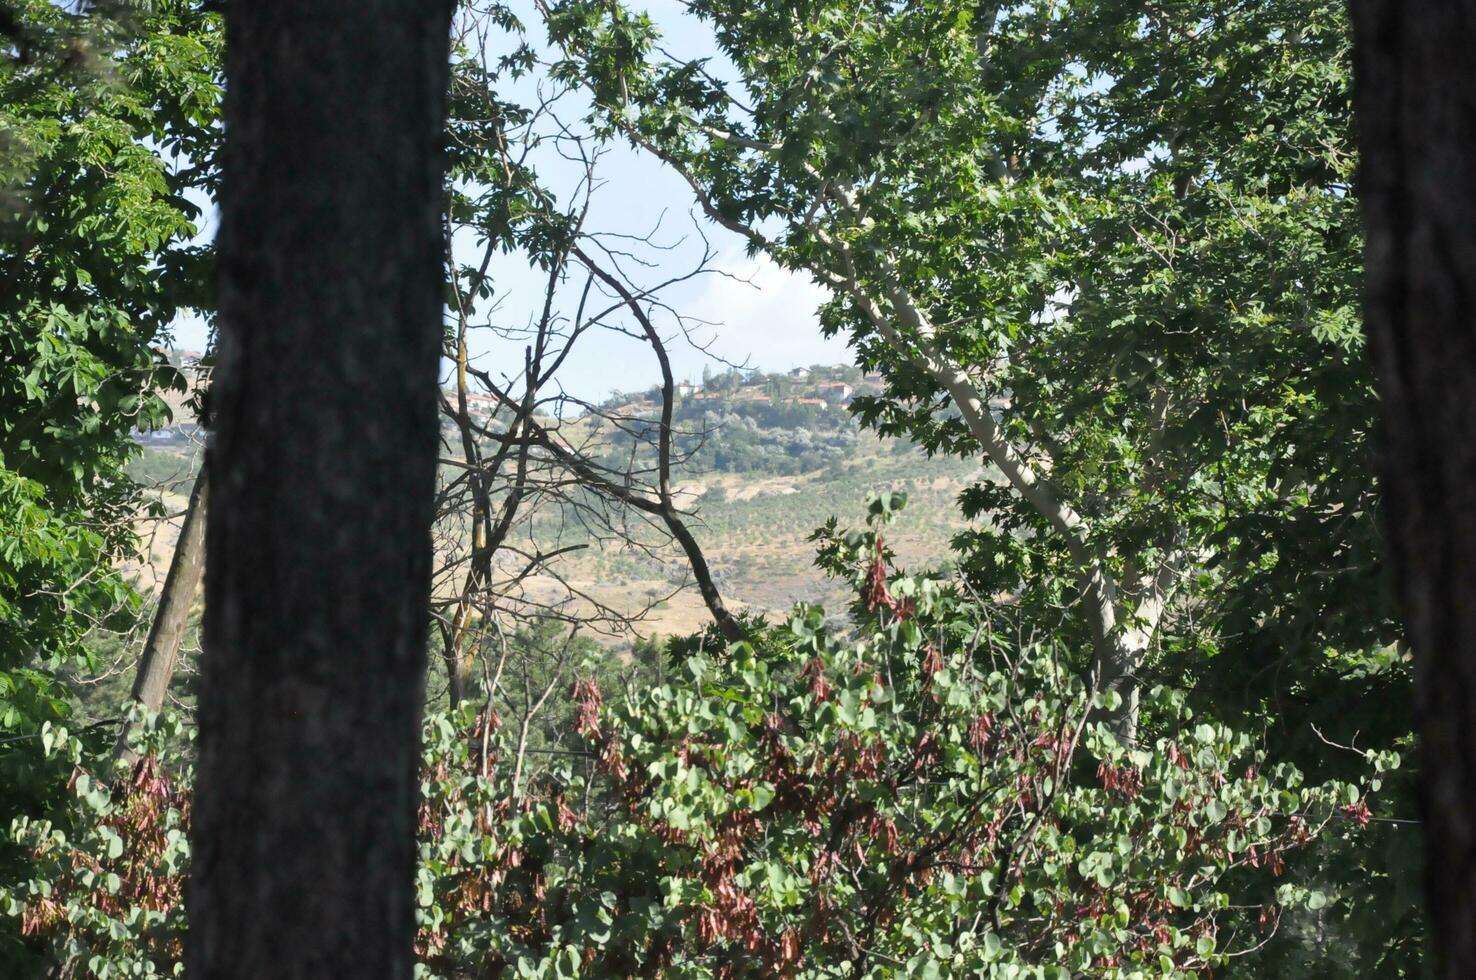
(755, 313)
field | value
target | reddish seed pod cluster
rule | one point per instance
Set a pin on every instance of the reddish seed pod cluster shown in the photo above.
(980, 732)
(588, 699)
(140, 821)
(814, 672)
(1359, 812)
(877, 595)
(1126, 781)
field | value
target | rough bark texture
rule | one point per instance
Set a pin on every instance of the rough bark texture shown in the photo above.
(322, 465)
(161, 652)
(1415, 87)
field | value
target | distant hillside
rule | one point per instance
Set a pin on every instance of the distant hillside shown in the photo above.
(785, 424)
(772, 457)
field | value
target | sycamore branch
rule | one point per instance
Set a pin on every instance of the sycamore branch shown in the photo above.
(1120, 642)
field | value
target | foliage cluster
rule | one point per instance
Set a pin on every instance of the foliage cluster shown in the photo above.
(920, 795)
(1116, 252)
(1111, 252)
(784, 441)
(751, 422)
(106, 118)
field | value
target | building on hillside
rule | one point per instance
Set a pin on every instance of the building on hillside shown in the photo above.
(479, 406)
(800, 374)
(642, 408)
(837, 390)
(686, 389)
(820, 402)
(185, 360)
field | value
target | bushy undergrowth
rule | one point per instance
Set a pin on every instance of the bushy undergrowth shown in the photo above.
(918, 793)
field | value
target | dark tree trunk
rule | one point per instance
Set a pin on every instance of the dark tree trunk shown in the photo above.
(161, 652)
(1415, 82)
(322, 465)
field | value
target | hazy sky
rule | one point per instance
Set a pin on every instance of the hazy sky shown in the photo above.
(760, 314)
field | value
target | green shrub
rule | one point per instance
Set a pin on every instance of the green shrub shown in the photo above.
(911, 795)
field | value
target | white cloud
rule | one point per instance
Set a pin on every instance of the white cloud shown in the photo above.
(763, 315)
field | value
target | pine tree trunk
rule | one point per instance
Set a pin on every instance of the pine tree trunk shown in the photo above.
(322, 464)
(1415, 86)
(161, 651)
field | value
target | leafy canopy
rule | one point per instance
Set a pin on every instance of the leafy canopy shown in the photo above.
(1113, 250)
(106, 122)
(917, 796)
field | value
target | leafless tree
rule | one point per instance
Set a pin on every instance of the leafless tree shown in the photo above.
(534, 474)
